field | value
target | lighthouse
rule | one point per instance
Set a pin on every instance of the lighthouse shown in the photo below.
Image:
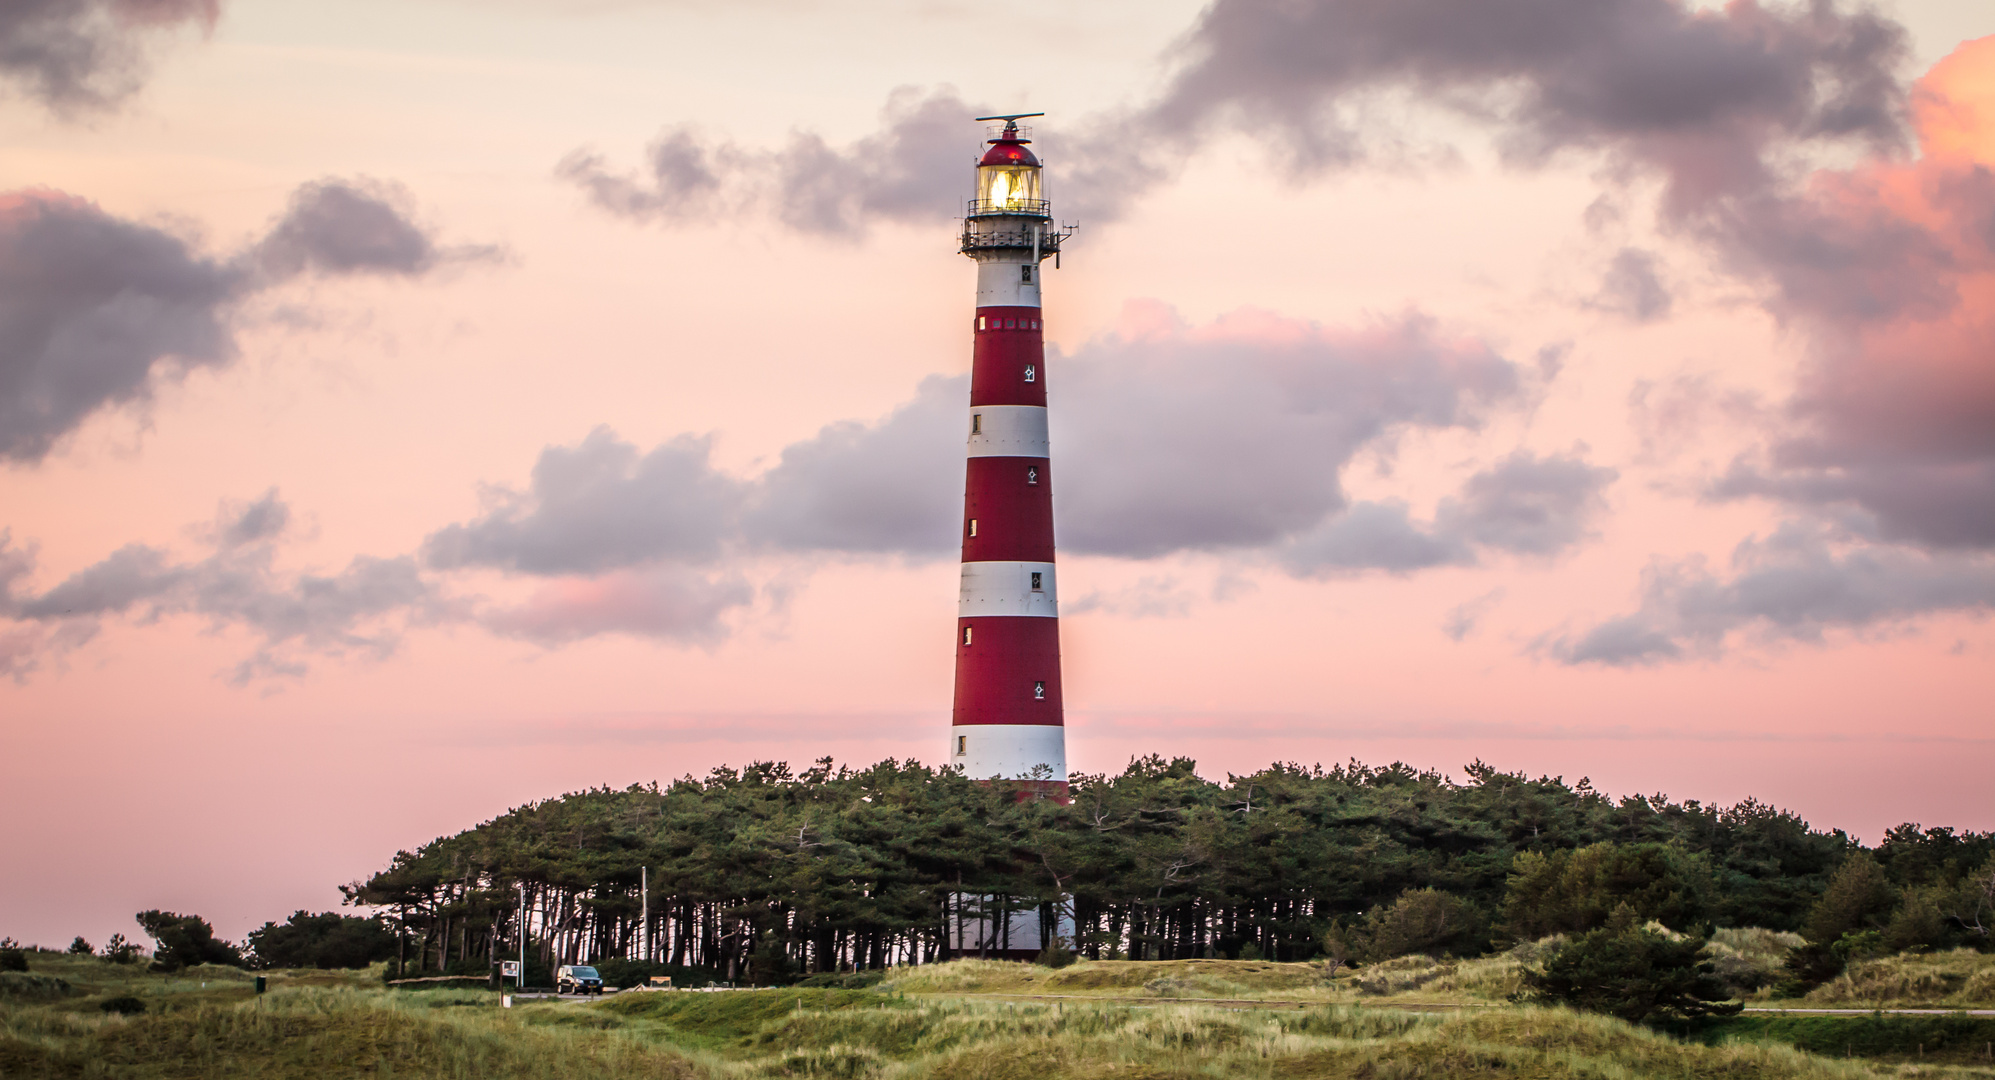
(1008, 723)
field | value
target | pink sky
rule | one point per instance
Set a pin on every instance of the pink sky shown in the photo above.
(1636, 423)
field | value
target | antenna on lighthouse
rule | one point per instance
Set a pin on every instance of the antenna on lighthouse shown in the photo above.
(1010, 117)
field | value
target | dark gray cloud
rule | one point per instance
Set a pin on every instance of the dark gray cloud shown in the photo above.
(1373, 536)
(600, 505)
(359, 609)
(96, 312)
(1525, 505)
(913, 169)
(1528, 505)
(1226, 437)
(1799, 584)
(1699, 94)
(1235, 435)
(82, 55)
(1633, 288)
(353, 227)
(1885, 273)
(1704, 98)
(888, 487)
(93, 310)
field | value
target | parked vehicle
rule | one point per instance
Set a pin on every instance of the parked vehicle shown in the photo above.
(577, 979)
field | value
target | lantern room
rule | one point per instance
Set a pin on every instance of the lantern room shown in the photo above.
(1008, 175)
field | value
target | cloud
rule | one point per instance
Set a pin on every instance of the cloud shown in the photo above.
(1526, 505)
(1632, 288)
(76, 56)
(1234, 434)
(94, 311)
(1698, 94)
(1707, 99)
(1887, 269)
(600, 505)
(1799, 584)
(353, 227)
(97, 312)
(1464, 617)
(1262, 412)
(664, 602)
(360, 609)
(913, 169)
(888, 487)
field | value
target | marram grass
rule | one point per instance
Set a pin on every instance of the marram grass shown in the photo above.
(345, 1027)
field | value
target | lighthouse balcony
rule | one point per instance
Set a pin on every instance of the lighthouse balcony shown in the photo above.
(1032, 208)
(996, 234)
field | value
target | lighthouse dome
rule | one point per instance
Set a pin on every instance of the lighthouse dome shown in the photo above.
(1010, 151)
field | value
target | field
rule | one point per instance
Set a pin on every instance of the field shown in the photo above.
(971, 1020)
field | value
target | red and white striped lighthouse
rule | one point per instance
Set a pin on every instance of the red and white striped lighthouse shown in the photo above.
(1008, 722)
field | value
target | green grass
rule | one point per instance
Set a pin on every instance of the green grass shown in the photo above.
(944, 1022)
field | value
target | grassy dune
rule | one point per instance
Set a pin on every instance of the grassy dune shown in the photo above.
(945, 1022)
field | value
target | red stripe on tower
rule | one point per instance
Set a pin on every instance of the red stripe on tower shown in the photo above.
(1008, 724)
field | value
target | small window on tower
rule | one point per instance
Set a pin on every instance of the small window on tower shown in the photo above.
(973, 526)
(962, 745)
(976, 423)
(1032, 474)
(1031, 373)
(966, 635)
(981, 320)
(1039, 691)
(1025, 274)
(1035, 324)
(1011, 324)
(1037, 585)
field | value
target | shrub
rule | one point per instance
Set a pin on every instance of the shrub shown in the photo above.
(184, 941)
(1424, 921)
(325, 941)
(1633, 973)
(1056, 955)
(13, 960)
(125, 1005)
(80, 947)
(1919, 922)
(119, 951)
(22, 986)
(1578, 890)
(1859, 897)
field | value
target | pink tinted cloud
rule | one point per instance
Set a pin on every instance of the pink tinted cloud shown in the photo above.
(1889, 269)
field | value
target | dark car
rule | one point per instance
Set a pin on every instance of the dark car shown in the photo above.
(577, 979)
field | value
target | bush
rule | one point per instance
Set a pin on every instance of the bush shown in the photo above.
(1056, 955)
(324, 941)
(20, 986)
(1859, 897)
(126, 1005)
(1424, 921)
(13, 960)
(184, 941)
(1633, 973)
(120, 951)
(1566, 892)
(80, 947)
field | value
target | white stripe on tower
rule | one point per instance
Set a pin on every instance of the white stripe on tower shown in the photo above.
(1009, 431)
(1009, 588)
(1010, 751)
